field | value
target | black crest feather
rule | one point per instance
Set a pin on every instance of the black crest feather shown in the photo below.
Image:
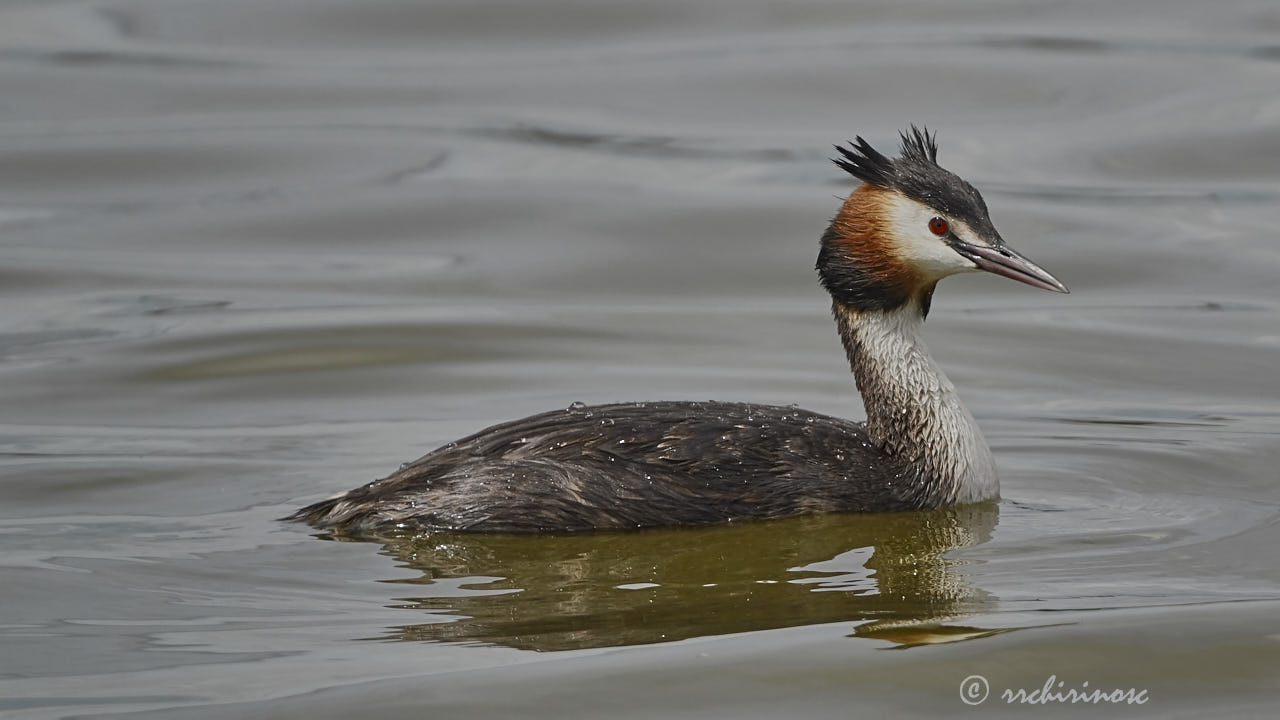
(874, 168)
(865, 163)
(919, 144)
(916, 174)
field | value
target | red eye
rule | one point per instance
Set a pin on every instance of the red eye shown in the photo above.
(938, 226)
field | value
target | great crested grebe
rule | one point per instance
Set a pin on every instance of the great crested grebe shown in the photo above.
(627, 465)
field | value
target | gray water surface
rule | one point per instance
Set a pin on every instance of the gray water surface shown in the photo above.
(253, 253)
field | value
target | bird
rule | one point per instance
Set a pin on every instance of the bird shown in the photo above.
(908, 224)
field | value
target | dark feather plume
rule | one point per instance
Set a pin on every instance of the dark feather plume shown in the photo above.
(865, 163)
(916, 174)
(870, 166)
(918, 144)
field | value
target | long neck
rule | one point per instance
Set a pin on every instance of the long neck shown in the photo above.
(913, 412)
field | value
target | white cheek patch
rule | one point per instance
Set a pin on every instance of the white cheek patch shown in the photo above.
(917, 246)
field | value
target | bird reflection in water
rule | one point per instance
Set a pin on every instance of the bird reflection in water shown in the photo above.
(890, 574)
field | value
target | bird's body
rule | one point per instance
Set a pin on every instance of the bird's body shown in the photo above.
(629, 465)
(692, 463)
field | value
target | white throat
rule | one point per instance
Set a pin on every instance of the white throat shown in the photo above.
(913, 412)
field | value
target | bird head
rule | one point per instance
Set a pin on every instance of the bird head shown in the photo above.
(910, 224)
